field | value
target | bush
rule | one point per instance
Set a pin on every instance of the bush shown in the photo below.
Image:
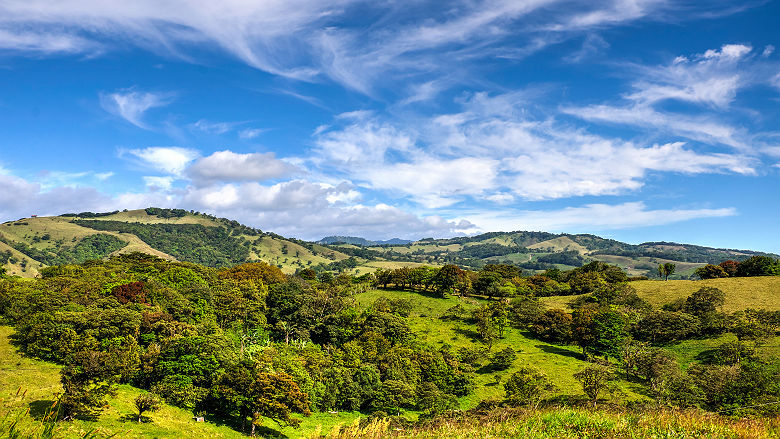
(503, 359)
(527, 386)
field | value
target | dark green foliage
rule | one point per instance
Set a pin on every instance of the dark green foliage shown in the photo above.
(527, 385)
(89, 214)
(87, 380)
(91, 247)
(711, 271)
(704, 301)
(570, 257)
(554, 325)
(667, 326)
(146, 402)
(165, 213)
(595, 381)
(210, 246)
(502, 360)
(759, 266)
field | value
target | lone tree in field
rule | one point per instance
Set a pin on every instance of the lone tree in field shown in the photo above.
(594, 380)
(666, 270)
(146, 402)
(527, 386)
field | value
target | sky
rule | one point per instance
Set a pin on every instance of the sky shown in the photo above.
(638, 120)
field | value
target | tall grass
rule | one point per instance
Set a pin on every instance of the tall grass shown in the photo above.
(569, 423)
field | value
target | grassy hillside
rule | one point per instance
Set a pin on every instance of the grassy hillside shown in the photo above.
(175, 234)
(741, 292)
(35, 243)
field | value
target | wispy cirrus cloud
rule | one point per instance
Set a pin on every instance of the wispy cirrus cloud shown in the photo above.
(309, 40)
(131, 105)
(592, 217)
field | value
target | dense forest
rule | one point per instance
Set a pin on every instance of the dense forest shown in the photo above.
(245, 343)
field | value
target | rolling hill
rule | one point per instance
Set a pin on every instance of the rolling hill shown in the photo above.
(30, 244)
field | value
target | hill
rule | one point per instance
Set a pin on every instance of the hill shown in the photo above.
(30, 244)
(354, 240)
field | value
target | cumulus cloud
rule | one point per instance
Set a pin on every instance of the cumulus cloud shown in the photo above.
(169, 159)
(230, 166)
(131, 105)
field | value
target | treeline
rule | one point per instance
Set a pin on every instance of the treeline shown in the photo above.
(239, 343)
(753, 266)
(502, 280)
(90, 214)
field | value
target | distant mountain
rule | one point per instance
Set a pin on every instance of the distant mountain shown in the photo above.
(30, 244)
(354, 240)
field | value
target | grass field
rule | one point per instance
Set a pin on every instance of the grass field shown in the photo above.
(741, 292)
(578, 423)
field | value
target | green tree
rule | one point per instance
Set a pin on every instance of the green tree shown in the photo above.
(666, 270)
(704, 301)
(595, 380)
(87, 379)
(146, 402)
(710, 271)
(528, 385)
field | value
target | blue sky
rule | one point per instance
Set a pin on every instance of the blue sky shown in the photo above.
(641, 120)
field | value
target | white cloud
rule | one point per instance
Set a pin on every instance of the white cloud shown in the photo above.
(169, 159)
(494, 150)
(131, 105)
(45, 42)
(213, 127)
(230, 166)
(592, 218)
(158, 183)
(307, 39)
(250, 133)
(712, 78)
(706, 129)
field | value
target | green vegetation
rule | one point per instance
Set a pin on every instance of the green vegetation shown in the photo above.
(95, 246)
(359, 334)
(210, 246)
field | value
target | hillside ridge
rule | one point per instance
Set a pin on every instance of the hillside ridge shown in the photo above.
(30, 244)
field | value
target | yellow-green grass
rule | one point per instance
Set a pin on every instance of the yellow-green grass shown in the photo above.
(575, 423)
(563, 243)
(27, 383)
(29, 270)
(271, 250)
(761, 292)
(558, 362)
(688, 351)
(140, 216)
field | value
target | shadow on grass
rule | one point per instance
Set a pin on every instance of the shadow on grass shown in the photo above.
(41, 408)
(268, 432)
(134, 418)
(472, 335)
(560, 351)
